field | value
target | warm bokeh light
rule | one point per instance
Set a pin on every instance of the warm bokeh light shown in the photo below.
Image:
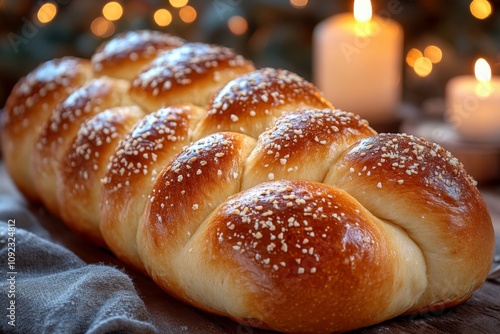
(299, 3)
(162, 17)
(480, 9)
(482, 70)
(47, 12)
(434, 53)
(187, 14)
(178, 3)
(112, 11)
(362, 10)
(102, 27)
(238, 25)
(412, 56)
(423, 67)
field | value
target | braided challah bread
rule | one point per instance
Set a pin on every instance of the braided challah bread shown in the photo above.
(244, 192)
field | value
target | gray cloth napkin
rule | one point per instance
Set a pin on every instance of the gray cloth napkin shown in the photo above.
(53, 291)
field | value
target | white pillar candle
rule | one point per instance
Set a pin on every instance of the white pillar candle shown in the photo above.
(358, 62)
(473, 104)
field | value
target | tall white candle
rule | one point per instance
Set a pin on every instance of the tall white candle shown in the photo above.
(473, 104)
(358, 62)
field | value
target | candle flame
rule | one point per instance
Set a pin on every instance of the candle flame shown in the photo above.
(362, 10)
(482, 70)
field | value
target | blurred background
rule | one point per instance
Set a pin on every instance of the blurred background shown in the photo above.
(441, 38)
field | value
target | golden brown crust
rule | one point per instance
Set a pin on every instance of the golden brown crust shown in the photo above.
(28, 106)
(84, 165)
(125, 54)
(303, 144)
(201, 177)
(284, 236)
(274, 256)
(133, 168)
(60, 129)
(252, 102)
(188, 74)
(432, 198)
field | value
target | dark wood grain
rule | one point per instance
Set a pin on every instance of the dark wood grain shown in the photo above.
(481, 314)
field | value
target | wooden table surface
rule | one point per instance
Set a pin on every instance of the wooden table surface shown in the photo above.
(481, 314)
